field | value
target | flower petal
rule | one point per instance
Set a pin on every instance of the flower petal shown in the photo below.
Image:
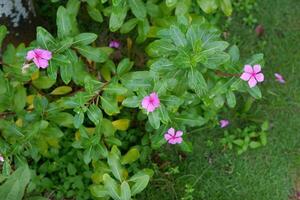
(256, 68)
(30, 55)
(248, 68)
(150, 107)
(145, 102)
(245, 76)
(167, 136)
(260, 77)
(252, 82)
(171, 131)
(177, 140)
(179, 133)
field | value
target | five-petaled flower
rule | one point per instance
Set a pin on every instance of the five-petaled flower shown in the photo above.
(151, 102)
(114, 44)
(224, 123)
(279, 78)
(40, 57)
(252, 75)
(173, 137)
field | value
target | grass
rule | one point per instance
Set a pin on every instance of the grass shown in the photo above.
(268, 173)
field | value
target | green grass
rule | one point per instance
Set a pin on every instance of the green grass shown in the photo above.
(267, 173)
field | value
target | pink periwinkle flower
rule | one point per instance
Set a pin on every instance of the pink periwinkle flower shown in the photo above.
(40, 57)
(173, 137)
(252, 75)
(1, 158)
(151, 102)
(279, 78)
(224, 123)
(114, 44)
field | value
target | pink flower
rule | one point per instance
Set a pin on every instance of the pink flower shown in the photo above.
(1, 158)
(279, 78)
(252, 75)
(173, 137)
(114, 44)
(224, 123)
(40, 57)
(151, 102)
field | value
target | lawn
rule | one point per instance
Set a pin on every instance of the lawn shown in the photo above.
(268, 173)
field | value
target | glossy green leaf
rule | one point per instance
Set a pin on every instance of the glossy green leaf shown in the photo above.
(138, 8)
(112, 187)
(95, 114)
(197, 82)
(131, 102)
(63, 22)
(3, 32)
(84, 39)
(132, 155)
(43, 82)
(61, 90)
(95, 14)
(141, 180)
(125, 191)
(231, 100)
(92, 53)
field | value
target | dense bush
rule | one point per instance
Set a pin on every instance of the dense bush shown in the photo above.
(76, 116)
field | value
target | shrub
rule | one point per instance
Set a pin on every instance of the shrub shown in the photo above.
(80, 117)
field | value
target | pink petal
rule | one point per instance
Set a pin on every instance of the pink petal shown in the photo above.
(245, 76)
(114, 44)
(252, 82)
(145, 102)
(155, 100)
(256, 68)
(171, 131)
(1, 159)
(260, 77)
(179, 133)
(168, 136)
(41, 63)
(30, 55)
(45, 54)
(177, 140)
(150, 108)
(224, 123)
(279, 78)
(248, 68)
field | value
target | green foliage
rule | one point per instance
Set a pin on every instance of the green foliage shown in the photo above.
(80, 121)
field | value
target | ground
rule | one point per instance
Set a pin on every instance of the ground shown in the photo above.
(268, 173)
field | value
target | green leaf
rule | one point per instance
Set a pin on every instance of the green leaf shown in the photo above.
(132, 155)
(95, 14)
(3, 32)
(162, 65)
(98, 191)
(226, 7)
(234, 53)
(62, 119)
(208, 6)
(95, 114)
(92, 53)
(44, 38)
(61, 90)
(14, 187)
(124, 66)
(154, 119)
(125, 191)
(171, 3)
(141, 180)
(177, 36)
(115, 88)
(111, 187)
(190, 119)
(43, 82)
(84, 39)
(113, 161)
(230, 97)
(64, 44)
(186, 147)
(254, 145)
(255, 92)
(197, 82)
(63, 23)
(110, 105)
(20, 98)
(138, 8)
(129, 25)
(87, 155)
(78, 119)
(131, 102)
(117, 17)
(159, 48)
(66, 73)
